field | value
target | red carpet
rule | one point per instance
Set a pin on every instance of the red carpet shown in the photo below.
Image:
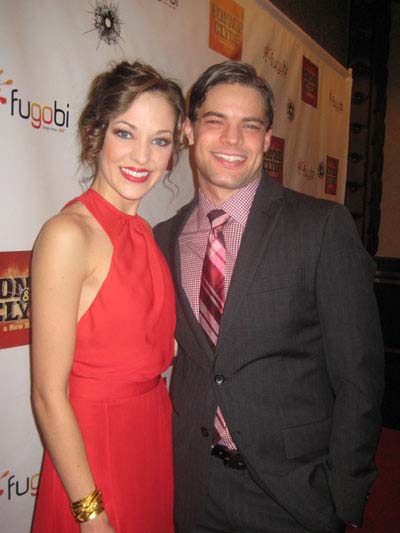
(382, 513)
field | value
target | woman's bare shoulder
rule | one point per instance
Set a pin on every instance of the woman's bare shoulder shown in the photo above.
(67, 234)
(74, 224)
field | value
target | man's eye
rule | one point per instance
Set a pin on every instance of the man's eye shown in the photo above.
(214, 121)
(254, 127)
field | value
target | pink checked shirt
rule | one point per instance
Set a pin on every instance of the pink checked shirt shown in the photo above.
(193, 239)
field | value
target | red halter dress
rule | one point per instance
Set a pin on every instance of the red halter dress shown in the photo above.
(124, 342)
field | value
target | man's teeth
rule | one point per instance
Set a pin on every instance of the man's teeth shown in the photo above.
(230, 158)
(134, 174)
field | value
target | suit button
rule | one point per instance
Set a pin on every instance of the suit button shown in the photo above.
(204, 432)
(219, 379)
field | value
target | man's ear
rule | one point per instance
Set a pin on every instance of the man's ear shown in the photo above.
(267, 140)
(188, 131)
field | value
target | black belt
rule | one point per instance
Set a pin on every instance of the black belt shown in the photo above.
(231, 458)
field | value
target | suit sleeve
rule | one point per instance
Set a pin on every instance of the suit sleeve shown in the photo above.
(159, 237)
(354, 356)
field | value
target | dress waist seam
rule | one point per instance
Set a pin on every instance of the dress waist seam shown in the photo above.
(98, 390)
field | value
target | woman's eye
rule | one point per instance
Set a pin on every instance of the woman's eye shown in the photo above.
(123, 134)
(160, 141)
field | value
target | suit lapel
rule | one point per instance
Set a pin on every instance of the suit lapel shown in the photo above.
(264, 213)
(184, 308)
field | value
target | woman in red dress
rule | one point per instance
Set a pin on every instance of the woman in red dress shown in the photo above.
(103, 318)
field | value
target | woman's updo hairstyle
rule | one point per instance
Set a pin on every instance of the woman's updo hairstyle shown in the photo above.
(111, 94)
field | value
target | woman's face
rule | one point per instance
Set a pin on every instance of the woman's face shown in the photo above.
(137, 148)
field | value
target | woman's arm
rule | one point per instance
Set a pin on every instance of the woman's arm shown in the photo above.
(59, 268)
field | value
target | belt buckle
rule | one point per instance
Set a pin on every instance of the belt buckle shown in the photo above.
(230, 458)
(234, 460)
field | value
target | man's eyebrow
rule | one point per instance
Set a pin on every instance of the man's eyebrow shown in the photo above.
(254, 119)
(244, 119)
(213, 114)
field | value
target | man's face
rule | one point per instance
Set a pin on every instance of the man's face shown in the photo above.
(229, 138)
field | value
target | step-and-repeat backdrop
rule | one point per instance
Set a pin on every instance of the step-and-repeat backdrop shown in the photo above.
(49, 52)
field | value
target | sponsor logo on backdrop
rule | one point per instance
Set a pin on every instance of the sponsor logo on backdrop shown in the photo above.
(273, 159)
(3, 99)
(281, 66)
(290, 110)
(14, 298)
(306, 169)
(321, 170)
(336, 102)
(226, 28)
(12, 487)
(173, 4)
(106, 22)
(309, 83)
(332, 171)
(48, 117)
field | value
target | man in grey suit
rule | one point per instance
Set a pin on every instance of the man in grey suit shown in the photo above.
(277, 384)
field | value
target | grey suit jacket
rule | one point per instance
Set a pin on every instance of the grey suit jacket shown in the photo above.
(301, 356)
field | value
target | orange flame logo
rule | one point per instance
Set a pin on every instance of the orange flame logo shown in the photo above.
(7, 82)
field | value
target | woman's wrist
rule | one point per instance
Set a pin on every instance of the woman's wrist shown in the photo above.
(87, 508)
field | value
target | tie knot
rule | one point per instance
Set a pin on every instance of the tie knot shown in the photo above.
(217, 218)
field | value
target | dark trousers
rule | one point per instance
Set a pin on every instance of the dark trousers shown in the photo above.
(236, 504)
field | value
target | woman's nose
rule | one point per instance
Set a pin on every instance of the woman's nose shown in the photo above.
(141, 152)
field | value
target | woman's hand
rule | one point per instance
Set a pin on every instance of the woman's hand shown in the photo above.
(100, 524)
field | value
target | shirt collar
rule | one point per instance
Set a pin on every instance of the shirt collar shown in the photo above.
(237, 206)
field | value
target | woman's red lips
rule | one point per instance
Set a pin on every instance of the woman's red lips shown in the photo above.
(138, 175)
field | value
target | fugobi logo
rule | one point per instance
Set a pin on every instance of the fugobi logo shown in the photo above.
(3, 99)
(226, 28)
(281, 66)
(309, 85)
(48, 117)
(273, 159)
(14, 298)
(332, 171)
(12, 487)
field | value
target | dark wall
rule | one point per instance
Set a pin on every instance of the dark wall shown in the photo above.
(389, 241)
(326, 21)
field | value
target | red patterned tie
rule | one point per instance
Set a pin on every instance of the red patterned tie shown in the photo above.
(212, 300)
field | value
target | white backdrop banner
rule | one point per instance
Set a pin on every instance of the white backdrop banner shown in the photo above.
(50, 50)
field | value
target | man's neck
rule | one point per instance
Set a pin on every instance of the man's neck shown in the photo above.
(218, 196)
